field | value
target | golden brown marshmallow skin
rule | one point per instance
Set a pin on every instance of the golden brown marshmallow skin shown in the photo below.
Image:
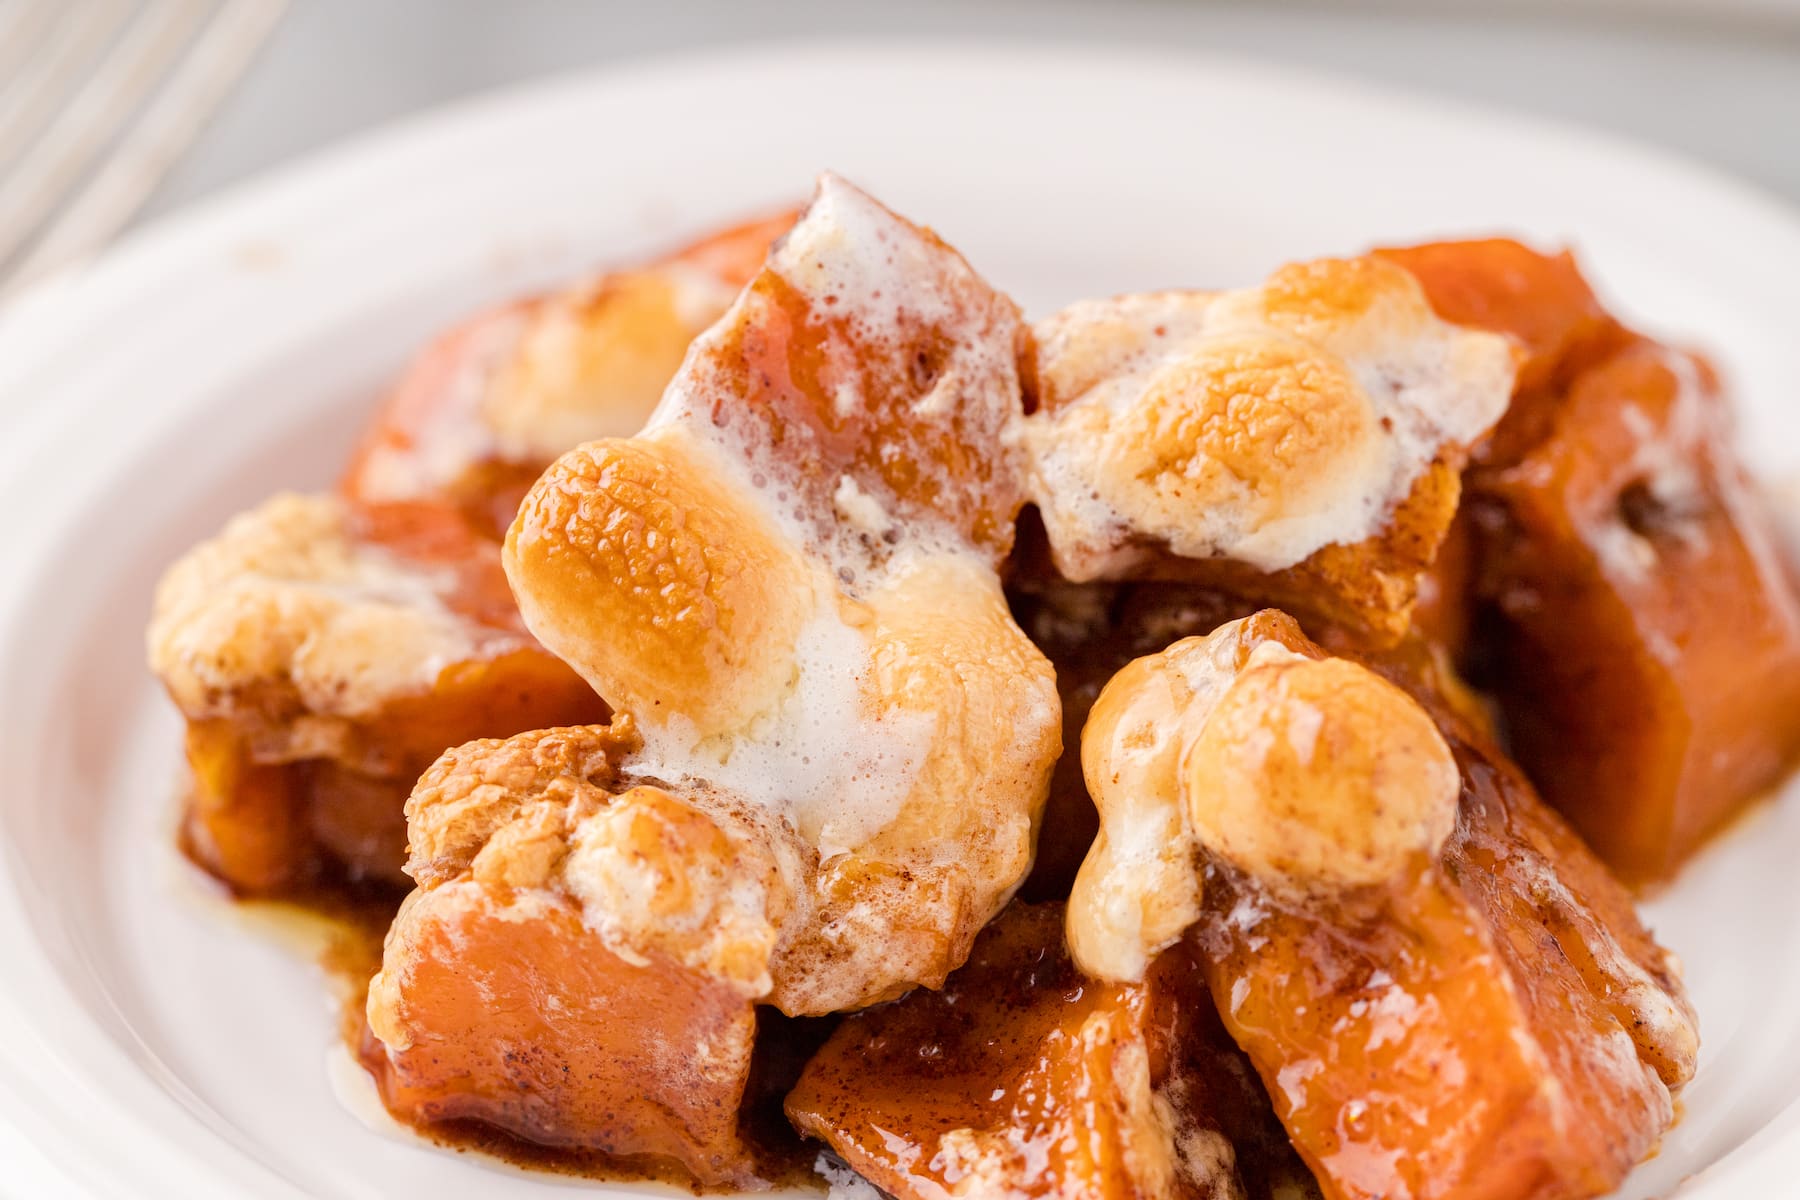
(502, 1000)
(765, 504)
(1646, 651)
(323, 655)
(483, 409)
(1022, 1078)
(846, 741)
(1526, 1031)
(1258, 441)
(641, 535)
(1348, 800)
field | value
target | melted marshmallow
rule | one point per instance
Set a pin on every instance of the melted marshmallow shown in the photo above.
(850, 260)
(1308, 774)
(284, 594)
(1250, 425)
(824, 652)
(819, 758)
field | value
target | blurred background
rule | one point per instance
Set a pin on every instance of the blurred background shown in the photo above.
(113, 112)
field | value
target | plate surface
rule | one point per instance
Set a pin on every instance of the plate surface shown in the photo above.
(153, 1042)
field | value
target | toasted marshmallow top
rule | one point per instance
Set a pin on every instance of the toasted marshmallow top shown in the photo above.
(529, 381)
(1318, 771)
(287, 599)
(1259, 425)
(803, 547)
(1305, 772)
(653, 872)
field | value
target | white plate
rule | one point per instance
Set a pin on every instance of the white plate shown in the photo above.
(151, 1045)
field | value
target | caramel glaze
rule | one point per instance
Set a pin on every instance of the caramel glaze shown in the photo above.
(1633, 611)
(778, 1157)
(1022, 1078)
(1525, 1031)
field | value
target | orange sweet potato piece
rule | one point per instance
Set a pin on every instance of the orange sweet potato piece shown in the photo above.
(1023, 1078)
(1494, 1023)
(1447, 996)
(302, 749)
(1647, 655)
(528, 1022)
(580, 966)
(1650, 652)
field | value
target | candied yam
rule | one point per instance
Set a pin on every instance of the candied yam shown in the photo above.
(688, 874)
(1645, 648)
(1022, 1078)
(484, 408)
(580, 964)
(323, 656)
(1649, 656)
(357, 822)
(243, 819)
(509, 1010)
(870, 375)
(508, 693)
(805, 541)
(1298, 442)
(1463, 1008)
(1522, 1052)
(1539, 299)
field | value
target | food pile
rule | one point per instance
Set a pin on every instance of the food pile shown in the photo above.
(1197, 745)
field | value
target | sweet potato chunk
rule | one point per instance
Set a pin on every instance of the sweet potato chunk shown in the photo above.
(580, 964)
(1446, 994)
(1022, 1078)
(324, 655)
(1651, 659)
(1647, 655)
(1522, 1047)
(511, 1011)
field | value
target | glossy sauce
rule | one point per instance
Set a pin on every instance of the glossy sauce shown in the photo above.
(1493, 1023)
(1640, 626)
(1023, 1078)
